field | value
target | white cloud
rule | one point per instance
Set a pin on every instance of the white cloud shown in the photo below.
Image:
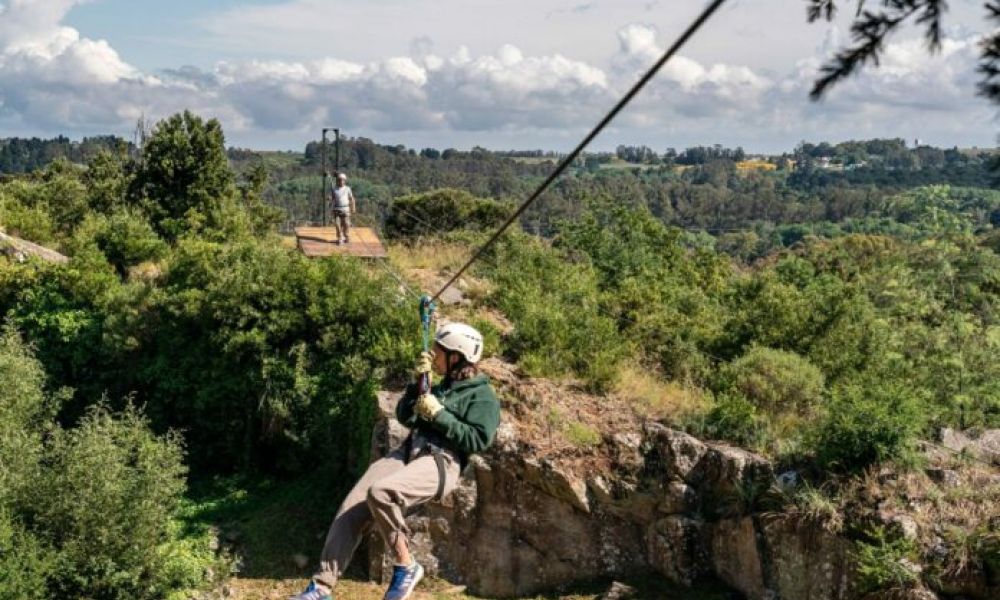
(54, 79)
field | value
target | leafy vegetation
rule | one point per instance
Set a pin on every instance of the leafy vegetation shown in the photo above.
(886, 564)
(87, 511)
(848, 316)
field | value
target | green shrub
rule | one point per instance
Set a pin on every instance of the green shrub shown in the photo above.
(266, 357)
(735, 419)
(442, 211)
(25, 564)
(582, 435)
(555, 307)
(105, 500)
(24, 411)
(774, 380)
(184, 177)
(869, 422)
(884, 564)
(32, 223)
(125, 237)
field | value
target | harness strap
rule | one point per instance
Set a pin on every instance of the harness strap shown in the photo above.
(442, 473)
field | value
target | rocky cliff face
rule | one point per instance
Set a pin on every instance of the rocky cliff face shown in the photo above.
(660, 500)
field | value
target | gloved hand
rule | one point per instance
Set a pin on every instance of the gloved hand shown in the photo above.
(428, 406)
(423, 365)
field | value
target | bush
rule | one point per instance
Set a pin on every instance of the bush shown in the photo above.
(184, 177)
(869, 422)
(582, 435)
(554, 305)
(24, 409)
(125, 238)
(735, 419)
(25, 564)
(441, 211)
(774, 380)
(884, 564)
(86, 512)
(32, 223)
(265, 357)
(106, 499)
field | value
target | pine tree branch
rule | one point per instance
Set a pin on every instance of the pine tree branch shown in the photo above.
(869, 32)
(989, 58)
(821, 9)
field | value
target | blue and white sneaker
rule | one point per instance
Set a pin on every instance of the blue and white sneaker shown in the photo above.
(313, 592)
(404, 579)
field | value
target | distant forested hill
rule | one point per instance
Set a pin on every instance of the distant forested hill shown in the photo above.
(703, 188)
(24, 155)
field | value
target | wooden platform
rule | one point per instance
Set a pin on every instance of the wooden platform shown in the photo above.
(319, 241)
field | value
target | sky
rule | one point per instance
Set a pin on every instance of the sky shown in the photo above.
(510, 74)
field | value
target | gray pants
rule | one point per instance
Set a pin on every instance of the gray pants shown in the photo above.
(342, 221)
(388, 489)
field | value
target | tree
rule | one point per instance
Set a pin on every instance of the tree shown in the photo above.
(185, 174)
(871, 28)
(107, 180)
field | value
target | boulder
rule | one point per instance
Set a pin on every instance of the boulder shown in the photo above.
(515, 526)
(679, 453)
(804, 562)
(729, 480)
(678, 498)
(556, 482)
(946, 478)
(984, 445)
(734, 549)
(19, 250)
(520, 523)
(675, 549)
(624, 499)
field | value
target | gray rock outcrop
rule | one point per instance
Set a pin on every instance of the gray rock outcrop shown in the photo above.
(19, 250)
(668, 502)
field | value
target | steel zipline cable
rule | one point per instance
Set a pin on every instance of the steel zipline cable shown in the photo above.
(569, 158)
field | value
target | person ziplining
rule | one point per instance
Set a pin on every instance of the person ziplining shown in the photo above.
(448, 422)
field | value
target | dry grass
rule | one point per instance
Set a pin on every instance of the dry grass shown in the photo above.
(432, 256)
(654, 398)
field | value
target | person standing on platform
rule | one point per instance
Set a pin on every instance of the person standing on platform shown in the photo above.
(342, 203)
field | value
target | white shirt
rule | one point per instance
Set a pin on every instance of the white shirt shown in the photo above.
(342, 198)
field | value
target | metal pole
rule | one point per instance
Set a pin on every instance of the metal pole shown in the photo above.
(336, 150)
(322, 196)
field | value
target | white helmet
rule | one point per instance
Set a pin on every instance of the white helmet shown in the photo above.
(462, 339)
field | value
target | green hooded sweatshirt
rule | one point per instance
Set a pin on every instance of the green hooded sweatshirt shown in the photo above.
(470, 417)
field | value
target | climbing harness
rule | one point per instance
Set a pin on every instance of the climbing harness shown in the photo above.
(569, 158)
(442, 474)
